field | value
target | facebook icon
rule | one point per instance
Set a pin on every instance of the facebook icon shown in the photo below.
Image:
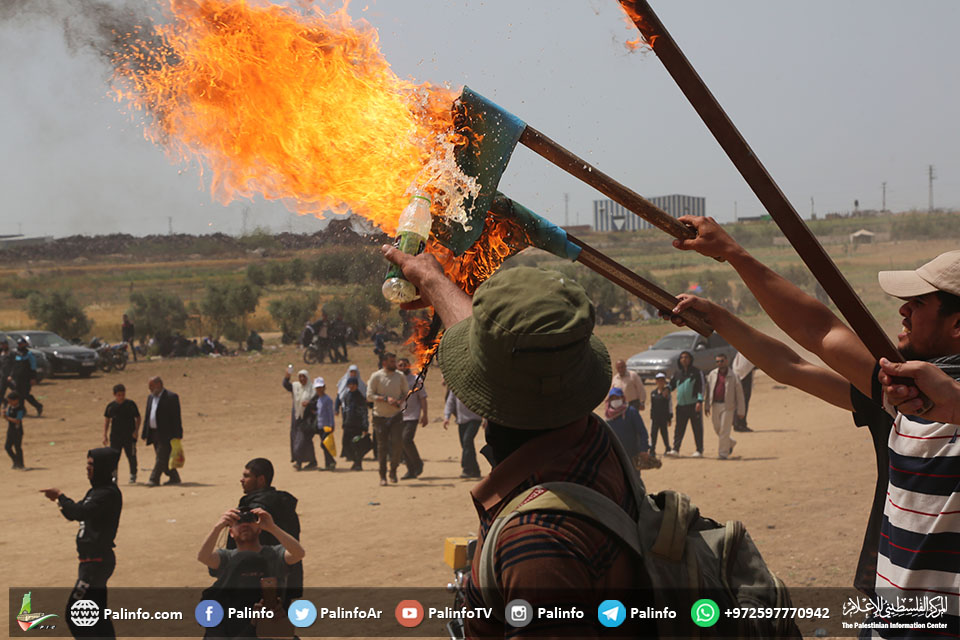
(208, 613)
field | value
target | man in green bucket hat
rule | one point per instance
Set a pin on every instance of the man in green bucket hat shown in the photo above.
(521, 353)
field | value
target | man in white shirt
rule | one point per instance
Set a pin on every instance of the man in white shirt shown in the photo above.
(634, 393)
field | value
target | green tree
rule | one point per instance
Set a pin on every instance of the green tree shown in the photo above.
(58, 311)
(296, 271)
(610, 300)
(716, 287)
(157, 313)
(226, 307)
(276, 273)
(293, 311)
(257, 274)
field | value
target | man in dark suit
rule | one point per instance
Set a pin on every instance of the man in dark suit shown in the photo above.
(162, 424)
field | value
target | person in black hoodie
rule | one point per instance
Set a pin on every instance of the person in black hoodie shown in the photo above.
(99, 516)
(258, 491)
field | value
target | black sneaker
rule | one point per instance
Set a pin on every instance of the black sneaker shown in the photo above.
(39, 411)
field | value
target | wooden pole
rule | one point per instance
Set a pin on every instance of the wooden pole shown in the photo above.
(579, 168)
(757, 177)
(640, 287)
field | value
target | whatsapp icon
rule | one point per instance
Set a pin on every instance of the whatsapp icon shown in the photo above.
(705, 612)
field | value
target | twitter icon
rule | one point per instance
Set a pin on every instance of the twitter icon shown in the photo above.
(611, 613)
(302, 613)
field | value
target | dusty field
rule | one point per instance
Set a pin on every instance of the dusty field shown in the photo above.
(802, 487)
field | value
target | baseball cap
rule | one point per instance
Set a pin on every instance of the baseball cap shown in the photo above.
(660, 375)
(318, 382)
(940, 274)
(616, 391)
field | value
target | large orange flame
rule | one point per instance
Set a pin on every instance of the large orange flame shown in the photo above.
(303, 107)
(300, 107)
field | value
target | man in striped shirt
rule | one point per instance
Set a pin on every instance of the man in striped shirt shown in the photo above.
(917, 529)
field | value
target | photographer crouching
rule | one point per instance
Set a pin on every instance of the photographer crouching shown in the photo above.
(250, 577)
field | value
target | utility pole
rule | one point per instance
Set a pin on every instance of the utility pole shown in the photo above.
(246, 214)
(813, 212)
(883, 187)
(566, 209)
(735, 216)
(169, 225)
(931, 177)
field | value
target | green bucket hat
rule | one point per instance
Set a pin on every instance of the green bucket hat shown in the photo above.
(527, 357)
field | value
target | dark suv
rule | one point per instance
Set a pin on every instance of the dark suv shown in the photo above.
(43, 365)
(63, 356)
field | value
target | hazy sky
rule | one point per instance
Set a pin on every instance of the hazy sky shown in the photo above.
(835, 98)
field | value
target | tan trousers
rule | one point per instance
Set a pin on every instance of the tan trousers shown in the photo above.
(723, 425)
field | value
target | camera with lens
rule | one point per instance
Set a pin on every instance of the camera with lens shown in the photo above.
(246, 515)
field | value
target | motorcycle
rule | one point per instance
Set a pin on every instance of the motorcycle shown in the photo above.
(110, 356)
(120, 355)
(458, 554)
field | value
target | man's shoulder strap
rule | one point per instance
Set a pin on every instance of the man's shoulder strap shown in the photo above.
(555, 497)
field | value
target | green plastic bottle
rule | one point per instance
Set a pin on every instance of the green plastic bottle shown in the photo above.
(413, 230)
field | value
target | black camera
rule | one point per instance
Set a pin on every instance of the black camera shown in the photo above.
(246, 515)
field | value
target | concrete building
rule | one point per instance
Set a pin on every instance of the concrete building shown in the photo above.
(611, 216)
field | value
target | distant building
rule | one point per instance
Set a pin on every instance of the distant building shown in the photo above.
(14, 241)
(611, 216)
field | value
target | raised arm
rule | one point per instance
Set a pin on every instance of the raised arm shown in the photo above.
(776, 359)
(436, 290)
(208, 553)
(801, 316)
(293, 552)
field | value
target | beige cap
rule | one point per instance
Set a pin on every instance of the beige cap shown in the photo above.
(940, 274)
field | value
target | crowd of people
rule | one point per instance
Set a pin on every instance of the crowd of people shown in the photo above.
(381, 415)
(722, 394)
(502, 357)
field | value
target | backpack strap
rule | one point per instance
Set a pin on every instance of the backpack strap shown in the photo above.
(678, 515)
(556, 497)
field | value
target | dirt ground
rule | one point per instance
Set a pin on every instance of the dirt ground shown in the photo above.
(802, 485)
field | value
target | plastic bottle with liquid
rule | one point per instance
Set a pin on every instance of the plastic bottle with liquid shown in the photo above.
(413, 229)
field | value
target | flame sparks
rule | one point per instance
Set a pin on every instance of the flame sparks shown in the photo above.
(501, 238)
(300, 107)
(636, 20)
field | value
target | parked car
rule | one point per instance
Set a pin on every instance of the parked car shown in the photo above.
(63, 356)
(43, 365)
(664, 355)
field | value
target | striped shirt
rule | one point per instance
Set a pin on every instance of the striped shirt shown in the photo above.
(552, 559)
(919, 544)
